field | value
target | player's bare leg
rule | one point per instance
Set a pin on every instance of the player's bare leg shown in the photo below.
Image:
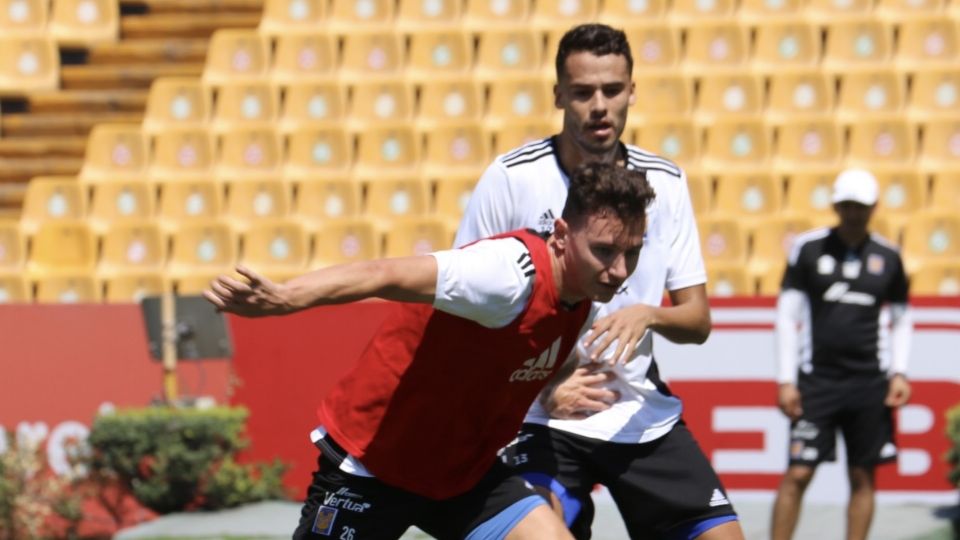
(541, 523)
(860, 507)
(786, 508)
(730, 530)
(551, 498)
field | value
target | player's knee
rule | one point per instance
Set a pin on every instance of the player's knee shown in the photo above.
(540, 523)
(799, 476)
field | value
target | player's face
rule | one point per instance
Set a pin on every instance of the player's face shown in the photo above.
(594, 94)
(853, 216)
(602, 253)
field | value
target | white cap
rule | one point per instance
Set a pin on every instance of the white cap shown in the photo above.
(856, 185)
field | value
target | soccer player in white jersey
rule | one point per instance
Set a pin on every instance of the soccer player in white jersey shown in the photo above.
(621, 426)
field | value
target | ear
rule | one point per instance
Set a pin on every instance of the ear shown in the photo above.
(633, 93)
(556, 96)
(561, 233)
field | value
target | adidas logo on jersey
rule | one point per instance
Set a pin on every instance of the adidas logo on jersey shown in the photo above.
(718, 498)
(546, 221)
(540, 368)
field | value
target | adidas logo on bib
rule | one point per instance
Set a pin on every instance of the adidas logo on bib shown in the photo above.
(718, 498)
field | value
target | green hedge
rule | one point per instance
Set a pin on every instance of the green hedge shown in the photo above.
(174, 459)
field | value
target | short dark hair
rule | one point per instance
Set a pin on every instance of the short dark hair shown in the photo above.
(598, 39)
(606, 187)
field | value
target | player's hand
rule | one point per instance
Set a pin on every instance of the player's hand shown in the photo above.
(899, 393)
(625, 327)
(789, 401)
(582, 394)
(257, 297)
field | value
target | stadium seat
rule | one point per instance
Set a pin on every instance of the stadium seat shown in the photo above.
(278, 249)
(28, 64)
(312, 104)
(810, 195)
(62, 248)
(748, 197)
(656, 47)
(764, 12)
(301, 58)
(133, 287)
(113, 202)
(902, 193)
(772, 239)
(350, 15)
(945, 191)
(512, 135)
(729, 97)
(285, 17)
(203, 247)
(244, 105)
(618, 12)
(416, 236)
(193, 283)
(52, 199)
(249, 202)
(552, 15)
(450, 101)
(934, 93)
(317, 153)
(13, 289)
(716, 47)
(769, 283)
(66, 289)
(13, 251)
(115, 152)
(786, 45)
(249, 153)
(736, 145)
(184, 201)
(84, 23)
(878, 94)
(722, 240)
(415, 16)
(507, 53)
(826, 11)
(897, 11)
(701, 193)
(726, 280)
(390, 201)
(371, 56)
(941, 145)
(858, 44)
(936, 278)
(667, 96)
(175, 102)
(451, 198)
(676, 140)
(808, 145)
(343, 241)
(380, 104)
(931, 236)
(807, 94)
(692, 12)
(482, 15)
(517, 100)
(182, 153)
(387, 153)
(439, 55)
(236, 55)
(24, 18)
(877, 144)
(453, 151)
(930, 41)
(323, 199)
(132, 247)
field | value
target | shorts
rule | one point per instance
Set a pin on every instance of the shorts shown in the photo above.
(852, 404)
(664, 488)
(340, 505)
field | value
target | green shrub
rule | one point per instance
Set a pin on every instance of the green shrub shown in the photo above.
(179, 459)
(953, 432)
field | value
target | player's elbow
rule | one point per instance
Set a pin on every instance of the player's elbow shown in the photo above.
(702, 330)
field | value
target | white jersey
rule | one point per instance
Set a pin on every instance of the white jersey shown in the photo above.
(527, 188)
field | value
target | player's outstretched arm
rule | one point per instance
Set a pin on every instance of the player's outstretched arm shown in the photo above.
(407, 279)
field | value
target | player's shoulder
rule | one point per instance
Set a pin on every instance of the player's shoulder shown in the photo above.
(530, 156)
(884, 245)
(807, 240)
(638, 158)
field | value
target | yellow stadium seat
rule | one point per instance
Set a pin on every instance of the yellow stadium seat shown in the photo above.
(902, 193)
(505, 53)
(344, 241)
(450, 101)
(236, 55)
(13, 251)
(772, 239)
(115, 152)
(52, 198)
(386, 153)
(934, 93)
(278, 249)
(132, 247)
(202, 247)
(21, 18)
(730, 97)
(722, 239)
(455, 151)
(736, 144)
(244, 105)
(82, 23)
(132, 288)
(945, 191)
(748, 197)
(349, 15)
(373, 55)
(66, 289)
(175, 102)
(389, 201)
(62, 247)
(380, 104)
(194, 283)
(253, 153)
(764, 12)
(518, 99)
(716, 47)
(664, 97)
(876, 94)
(769, 283)
(437, 55)
(691, 12)
(656, 47)
(701, 193)
(113, 202)
(678, 141)
(798, 95)
(878, 143)
(185, 201)
(810, 195)
(414, 16)
(618, 12)
(182, 153)
(863, 43)
(482, 15)
(726, 280)
(897, 11)
(786, 45)
(806, 145)
(249, 202)
(312, 104)
(509, 136)
(931, 40)
(13, 289)
(941, 145)
(304, 57)
(28, 64)
(936, 278)
(451, 198)
(318, 152)
(417, 236)
(826, 11)
(284, 17)
(551, 15)
(324, 199)
(931, 236)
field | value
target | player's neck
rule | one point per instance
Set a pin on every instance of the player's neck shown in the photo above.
(572, 156)
(852, 236)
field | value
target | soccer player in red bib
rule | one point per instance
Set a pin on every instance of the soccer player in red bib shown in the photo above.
(411, 435)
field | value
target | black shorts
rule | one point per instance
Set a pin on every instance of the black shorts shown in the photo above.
(349, 507)
(852, 404)
(664, 489)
